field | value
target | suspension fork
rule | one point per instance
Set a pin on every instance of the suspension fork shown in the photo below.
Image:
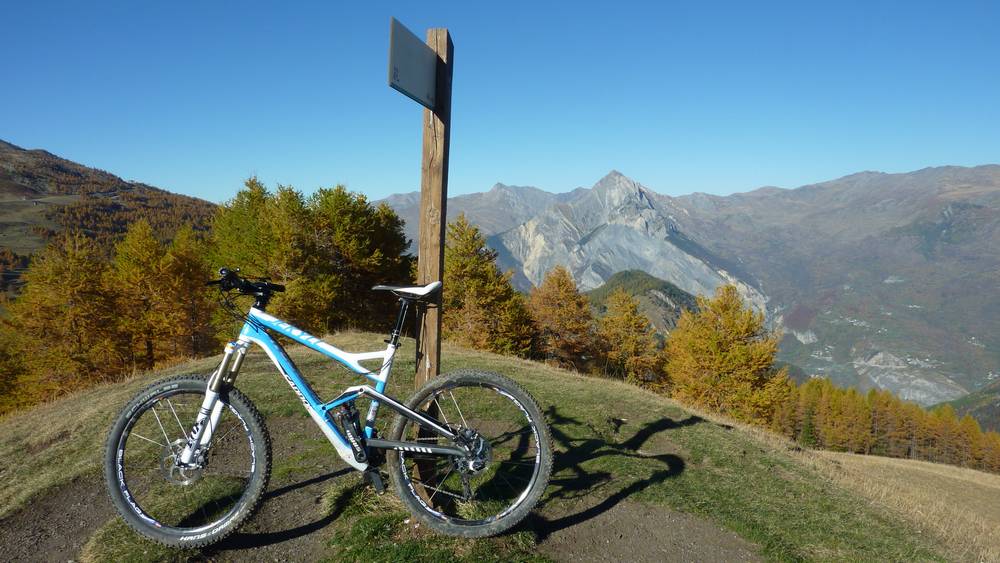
(211, 407)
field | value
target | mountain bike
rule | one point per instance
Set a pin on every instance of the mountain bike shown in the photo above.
(188, 459)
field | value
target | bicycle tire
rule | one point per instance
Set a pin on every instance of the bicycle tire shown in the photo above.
(248, 502)
(418, 508)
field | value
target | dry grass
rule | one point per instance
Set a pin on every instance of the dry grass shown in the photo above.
(55, 442)
(960, 506)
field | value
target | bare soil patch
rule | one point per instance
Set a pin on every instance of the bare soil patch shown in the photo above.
(55, 524)
(632, 531)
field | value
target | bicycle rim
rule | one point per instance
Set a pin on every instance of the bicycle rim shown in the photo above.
(189, 501)
(454, 489)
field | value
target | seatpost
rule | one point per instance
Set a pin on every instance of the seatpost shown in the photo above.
(397, 330)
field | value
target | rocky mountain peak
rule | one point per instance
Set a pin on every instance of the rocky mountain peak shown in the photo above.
(616, 190)
(615, 180)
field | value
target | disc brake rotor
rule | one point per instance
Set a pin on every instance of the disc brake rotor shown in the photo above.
(479, 455)
(174, 473)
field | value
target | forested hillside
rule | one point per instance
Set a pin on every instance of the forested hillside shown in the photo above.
(983, 405)
(42, 195)
(661, 301)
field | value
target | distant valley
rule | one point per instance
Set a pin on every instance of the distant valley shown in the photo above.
(879, 280)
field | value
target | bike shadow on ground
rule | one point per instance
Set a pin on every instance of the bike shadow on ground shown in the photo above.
(250, 540)
(571, 480)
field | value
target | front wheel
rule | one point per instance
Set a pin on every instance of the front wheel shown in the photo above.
(186, 505)
(507, 465)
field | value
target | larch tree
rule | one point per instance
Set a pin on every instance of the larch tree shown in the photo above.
(189, 304)
(12, 395)
(628, 340)
(142, 309)
(241, 232)
(563, 318)
(300, 256)
(68, 316)
(481, 307)
(785, 419)
(722, 358)
(971, 441)
(366, 245)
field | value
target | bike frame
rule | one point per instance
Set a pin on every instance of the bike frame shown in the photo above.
(255, 331)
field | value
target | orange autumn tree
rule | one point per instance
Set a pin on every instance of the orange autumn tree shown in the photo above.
(722, 359)
(63, 323)
(563, 319)
(629, 341)
(481, 307)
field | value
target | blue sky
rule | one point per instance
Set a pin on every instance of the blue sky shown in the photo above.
(692, 96)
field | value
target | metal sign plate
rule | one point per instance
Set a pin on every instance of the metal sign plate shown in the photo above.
(412, 65)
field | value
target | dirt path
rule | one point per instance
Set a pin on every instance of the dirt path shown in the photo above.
(292, 522)
(55, 525)
(630, 531)
(289, 524)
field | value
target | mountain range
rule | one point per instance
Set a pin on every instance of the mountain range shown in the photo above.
(878, 280)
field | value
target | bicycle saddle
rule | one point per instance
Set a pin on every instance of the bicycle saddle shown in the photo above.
(418, 292)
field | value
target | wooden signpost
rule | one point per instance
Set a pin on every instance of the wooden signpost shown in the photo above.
(423, 71)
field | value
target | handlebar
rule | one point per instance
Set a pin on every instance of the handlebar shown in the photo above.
(230, 280)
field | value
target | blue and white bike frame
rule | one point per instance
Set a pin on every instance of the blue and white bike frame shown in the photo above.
(255, 331)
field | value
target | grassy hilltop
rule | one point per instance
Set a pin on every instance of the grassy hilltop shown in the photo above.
(635, 475)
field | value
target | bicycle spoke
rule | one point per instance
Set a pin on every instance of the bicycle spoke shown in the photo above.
(489, 486)
(147, 439)
(440, 410)
(228, 432)
(188, 497)
(441, 482)
(426, 486)
(464, 423)
(177, 418)
(525, 463)
(165, 437)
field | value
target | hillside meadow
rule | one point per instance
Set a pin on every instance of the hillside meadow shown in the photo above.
(618, 449)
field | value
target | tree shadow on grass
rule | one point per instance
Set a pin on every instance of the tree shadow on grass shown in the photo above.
(243, 540)
(572, 480)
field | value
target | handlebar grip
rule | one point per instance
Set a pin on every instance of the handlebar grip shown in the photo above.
(277, 287)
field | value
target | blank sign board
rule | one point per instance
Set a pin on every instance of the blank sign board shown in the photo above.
(412, 65)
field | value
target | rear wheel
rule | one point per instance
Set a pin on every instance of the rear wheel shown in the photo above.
(506, 467)
(190, 505)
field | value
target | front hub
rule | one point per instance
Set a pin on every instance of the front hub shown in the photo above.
(171, 469)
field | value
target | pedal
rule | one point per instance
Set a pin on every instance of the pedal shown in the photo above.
(373, 478)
